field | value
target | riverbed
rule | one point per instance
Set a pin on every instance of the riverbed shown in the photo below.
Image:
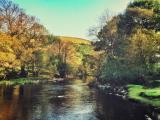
(70, 101)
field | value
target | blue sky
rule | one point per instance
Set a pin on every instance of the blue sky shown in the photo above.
(70, 17)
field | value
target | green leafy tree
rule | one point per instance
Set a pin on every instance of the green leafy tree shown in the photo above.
(131, 44)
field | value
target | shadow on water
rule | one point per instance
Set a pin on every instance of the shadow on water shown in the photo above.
(115, 108)
(73, 101)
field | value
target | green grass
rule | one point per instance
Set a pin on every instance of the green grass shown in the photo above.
(152, 93)
(19, 81)
(145, 95)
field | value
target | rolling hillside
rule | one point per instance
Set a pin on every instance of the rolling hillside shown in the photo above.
(75, 40)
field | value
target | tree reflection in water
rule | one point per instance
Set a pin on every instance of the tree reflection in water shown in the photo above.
(73, 101)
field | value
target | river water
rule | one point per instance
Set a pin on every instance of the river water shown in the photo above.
(72, 101)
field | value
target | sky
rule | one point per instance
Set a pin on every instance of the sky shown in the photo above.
(70, 17)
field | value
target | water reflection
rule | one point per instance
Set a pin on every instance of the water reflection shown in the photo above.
(74, 101)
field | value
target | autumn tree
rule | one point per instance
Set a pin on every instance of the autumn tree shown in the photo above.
(26, 29)
(8, 60)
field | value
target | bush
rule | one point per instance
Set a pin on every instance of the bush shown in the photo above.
(115, 70)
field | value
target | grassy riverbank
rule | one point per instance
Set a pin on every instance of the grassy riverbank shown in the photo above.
(19, 81)
(147, 95)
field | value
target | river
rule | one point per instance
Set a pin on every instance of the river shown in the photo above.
(72, 101)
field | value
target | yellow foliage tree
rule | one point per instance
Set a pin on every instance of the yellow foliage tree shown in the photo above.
(8, 51)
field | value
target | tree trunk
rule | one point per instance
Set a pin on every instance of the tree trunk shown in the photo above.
(23, 72)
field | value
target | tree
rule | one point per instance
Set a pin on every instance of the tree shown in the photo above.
(67, 56)
(141, 13)
(131, 44)
(26, 29)
(8, 60)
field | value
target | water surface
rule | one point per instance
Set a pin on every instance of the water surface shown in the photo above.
(72, 101)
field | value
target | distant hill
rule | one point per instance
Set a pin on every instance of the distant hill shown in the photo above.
(75, 40)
